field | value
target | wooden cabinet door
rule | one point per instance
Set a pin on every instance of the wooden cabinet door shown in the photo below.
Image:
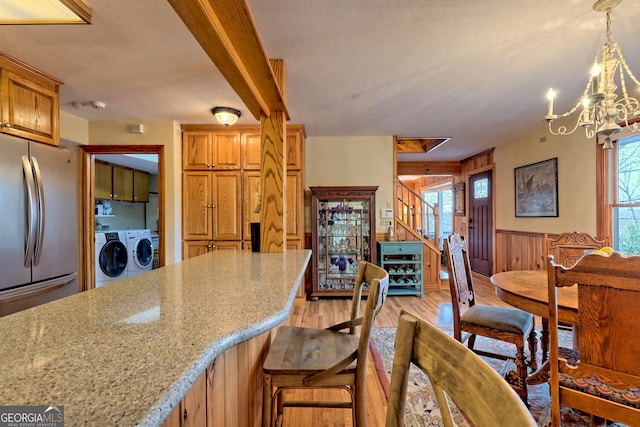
(294, 153)
(140, 186)
(197, 207)
(227, 223)
(29, 110)
(103, 181)
(295, 206)
(122, 184)
(193, 248)
(226, 150)
(251, 152)
(251, 190)
(233, 245)
(294, 201)
(197, 150)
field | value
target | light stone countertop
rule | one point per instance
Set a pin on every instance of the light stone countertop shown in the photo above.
(126, 353)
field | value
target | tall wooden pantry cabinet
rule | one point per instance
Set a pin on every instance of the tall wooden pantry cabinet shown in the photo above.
(221, 183)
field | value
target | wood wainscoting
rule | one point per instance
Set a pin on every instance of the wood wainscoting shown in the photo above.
(519, 250)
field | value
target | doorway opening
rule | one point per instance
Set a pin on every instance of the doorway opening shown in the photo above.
(88, 157)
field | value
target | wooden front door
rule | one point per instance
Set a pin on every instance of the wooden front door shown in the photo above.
(481, 222)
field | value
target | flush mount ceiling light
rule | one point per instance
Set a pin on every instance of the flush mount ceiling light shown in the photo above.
(606, 104)
(226, 115)
(44, 12)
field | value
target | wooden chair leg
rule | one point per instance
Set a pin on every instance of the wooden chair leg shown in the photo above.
(359, 412)
(471, 341)
(267, 401)
(545, 339)
(533, 348)
(521, 368)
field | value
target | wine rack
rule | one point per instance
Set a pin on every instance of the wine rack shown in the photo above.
(403, 261)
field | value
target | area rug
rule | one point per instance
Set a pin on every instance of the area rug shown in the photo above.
(422, 408)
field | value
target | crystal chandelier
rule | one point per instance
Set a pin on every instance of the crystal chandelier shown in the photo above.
(605, 105)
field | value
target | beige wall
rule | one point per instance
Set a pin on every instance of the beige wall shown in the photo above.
(361, 160)
(73, 129)
(576, 181)
(165, 133)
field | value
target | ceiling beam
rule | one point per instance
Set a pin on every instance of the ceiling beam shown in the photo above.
(429, 168)
(227, 33)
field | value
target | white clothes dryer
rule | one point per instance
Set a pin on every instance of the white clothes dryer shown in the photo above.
(140, 249)
(111, 257)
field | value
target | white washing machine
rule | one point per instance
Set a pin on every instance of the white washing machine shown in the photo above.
(140, 249)
(111, 257)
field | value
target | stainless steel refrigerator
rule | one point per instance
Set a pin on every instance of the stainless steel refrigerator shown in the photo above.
(38, 224)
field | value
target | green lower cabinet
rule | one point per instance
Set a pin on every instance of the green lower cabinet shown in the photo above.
(403, 261)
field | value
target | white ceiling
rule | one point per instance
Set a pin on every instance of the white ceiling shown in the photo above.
(475, 71)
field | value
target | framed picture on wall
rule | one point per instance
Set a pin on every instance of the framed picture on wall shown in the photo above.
(536, 188)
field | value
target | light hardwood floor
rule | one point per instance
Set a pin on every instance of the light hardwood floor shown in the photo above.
(435, 308)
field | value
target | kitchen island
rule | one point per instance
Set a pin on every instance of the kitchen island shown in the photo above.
(127, 353)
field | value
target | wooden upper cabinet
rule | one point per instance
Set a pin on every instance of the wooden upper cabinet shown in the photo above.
(122, 184)
(295, 147)
(29, 102)
(197, 150)
(251, 152)
(103, 180)
(113, 182)
(227, 192)
(140, 186)
(211, 150)
(226, 150)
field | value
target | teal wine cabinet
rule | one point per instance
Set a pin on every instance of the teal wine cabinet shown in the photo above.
(403, 261)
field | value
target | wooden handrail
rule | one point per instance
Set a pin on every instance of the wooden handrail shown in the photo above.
(411, 209)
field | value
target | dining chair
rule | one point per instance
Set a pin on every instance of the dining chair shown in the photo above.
(305, 358)
(568, 247)
(456, 373)
(507, 324)
(603, 377)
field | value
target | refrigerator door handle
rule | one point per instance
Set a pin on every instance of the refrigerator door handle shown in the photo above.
(41, 210)
(32, 210)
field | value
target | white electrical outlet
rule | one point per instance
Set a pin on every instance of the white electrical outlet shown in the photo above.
(386, 213)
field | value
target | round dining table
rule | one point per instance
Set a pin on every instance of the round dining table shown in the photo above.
(528, 291)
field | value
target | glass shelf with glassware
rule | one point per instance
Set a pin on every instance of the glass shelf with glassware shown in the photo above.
(343, 234)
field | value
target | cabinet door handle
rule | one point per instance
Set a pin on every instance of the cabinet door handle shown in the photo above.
(213, 165)
(210, 206)
(7, 125)
(209, 165)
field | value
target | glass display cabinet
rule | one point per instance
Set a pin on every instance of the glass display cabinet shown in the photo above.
(343, 233)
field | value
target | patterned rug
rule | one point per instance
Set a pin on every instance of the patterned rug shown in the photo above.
(422, 408)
